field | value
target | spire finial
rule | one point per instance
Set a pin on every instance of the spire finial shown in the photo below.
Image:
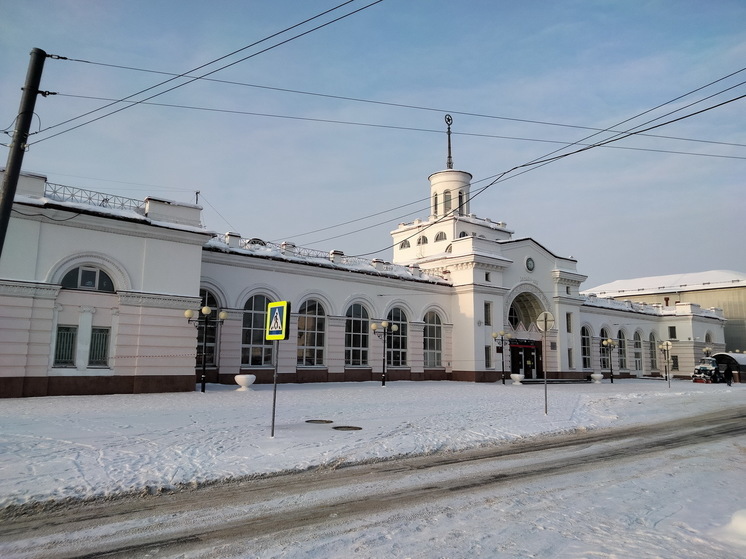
(449, 161)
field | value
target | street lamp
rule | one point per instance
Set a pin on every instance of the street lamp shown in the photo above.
(610, 344)
(502, 335)
(204, 320)
(707, 351)
(383, 331)
(665, 348)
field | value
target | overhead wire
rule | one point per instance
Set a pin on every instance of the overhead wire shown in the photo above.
(552, 157)
(192, 80)
(414, 107)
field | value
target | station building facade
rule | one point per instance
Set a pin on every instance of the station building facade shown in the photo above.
(93, 290)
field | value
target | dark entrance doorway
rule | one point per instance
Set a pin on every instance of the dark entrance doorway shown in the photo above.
(525, 358)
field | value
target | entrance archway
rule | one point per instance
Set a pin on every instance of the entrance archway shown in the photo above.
(525, 309)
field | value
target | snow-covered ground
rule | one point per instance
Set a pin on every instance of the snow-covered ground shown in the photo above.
(88, 446)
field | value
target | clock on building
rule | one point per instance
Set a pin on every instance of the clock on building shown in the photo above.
(530, 264)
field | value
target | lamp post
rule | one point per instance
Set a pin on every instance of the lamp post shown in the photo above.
(502, 335)
(610, 344)
(204, 320)
(707, 351)
(665, 348)
(383, 330)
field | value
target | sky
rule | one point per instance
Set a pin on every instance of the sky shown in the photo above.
(275, 151)
(686, 501)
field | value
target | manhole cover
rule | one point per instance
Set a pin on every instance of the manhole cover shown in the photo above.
(346, 428)
(319, 421)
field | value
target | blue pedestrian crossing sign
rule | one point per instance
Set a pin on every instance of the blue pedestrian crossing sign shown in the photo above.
(278, 325)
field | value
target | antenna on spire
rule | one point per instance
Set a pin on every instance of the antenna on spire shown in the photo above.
(449, 161)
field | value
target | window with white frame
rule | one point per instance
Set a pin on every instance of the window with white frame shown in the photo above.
(488, 313)
(357, 327)
(585, 347)
(440, 236)
(397, 347)
(446, 201)
(638, 351)
(65, 346)
(433, 340)
(88, 277)
(622, 346)
(605, 352)
(98, 352)
(653, 344)
(256, 351)
(311, 333)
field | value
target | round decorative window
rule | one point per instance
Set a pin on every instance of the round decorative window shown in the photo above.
(530, 264)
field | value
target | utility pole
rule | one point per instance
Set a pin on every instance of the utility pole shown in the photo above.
(20, 138)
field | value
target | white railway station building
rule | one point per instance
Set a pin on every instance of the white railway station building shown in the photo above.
(93, 291)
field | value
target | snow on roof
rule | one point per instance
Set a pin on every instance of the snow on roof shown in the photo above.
(331, 259)
(712, 279)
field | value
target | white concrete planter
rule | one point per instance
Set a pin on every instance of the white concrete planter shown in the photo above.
(244, 381)
(597, 377)
(517, 378)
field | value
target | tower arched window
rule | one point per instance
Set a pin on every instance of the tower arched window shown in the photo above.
(357, 326)
(446, 201)
(422, 240)
(311, 333)
(256, 351)
(435, 204)
(404, 244)
(441, 236)
(461, 203)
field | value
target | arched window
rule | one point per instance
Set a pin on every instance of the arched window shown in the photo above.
(653, 352)
(397, 348)
(404, 244)
(463, 234)
(435, 204)
(208, 346)
(449, 249)
(513, 317)
(460, 203)
(638, 351)
(311, 333)
(357, 327)
(256, 351)
(708, 338)
(441, 236)
(585, 347)
(605, 361)
(88, 277)
(446, 201)
(422, 240)
(433, 340)
(622, 346)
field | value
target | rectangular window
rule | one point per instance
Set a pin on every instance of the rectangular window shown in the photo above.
(568, 319)
(674, 362)
(672, 332)
(487, 313)
(64, 349)
(487, 357)
(569, 358)
(98, 355)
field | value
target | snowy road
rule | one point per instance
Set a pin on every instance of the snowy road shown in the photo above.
(538, 482)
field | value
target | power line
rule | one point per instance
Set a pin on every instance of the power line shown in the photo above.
(408, 128)
(416, 107)
(212, 71)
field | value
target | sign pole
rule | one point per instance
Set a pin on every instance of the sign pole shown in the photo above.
(274, 389)
(276, 329)
(544, 322)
